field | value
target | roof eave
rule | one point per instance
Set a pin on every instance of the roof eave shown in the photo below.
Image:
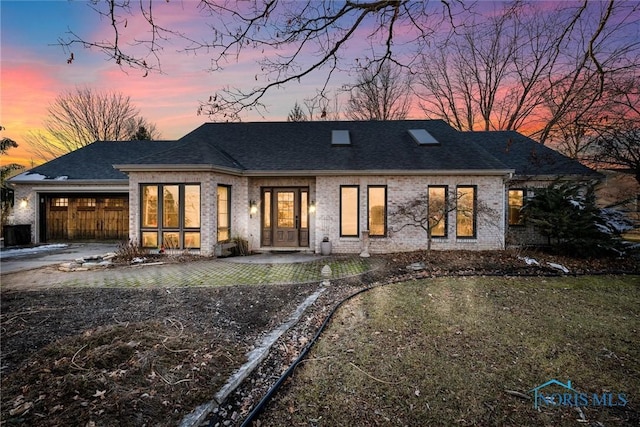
(311, 172)
(557, 177)
(176, 168)
(369, 172)
(63, 182)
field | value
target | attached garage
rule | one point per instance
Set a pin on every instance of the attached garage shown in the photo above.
(84, 217)
(80, 196)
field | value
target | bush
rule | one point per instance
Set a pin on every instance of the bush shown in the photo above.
(127, 251)
(567, 215)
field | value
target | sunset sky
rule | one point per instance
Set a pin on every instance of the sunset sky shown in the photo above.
(34, 69)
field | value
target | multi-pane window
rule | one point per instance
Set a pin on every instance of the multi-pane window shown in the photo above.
(86, 202)
(466, 211)
(224, 213)
(285, 209)
(60, 202)
(377, 210)
(438, 210)
(516, 202)
(178, 205)
(114, 203)
(349, 210)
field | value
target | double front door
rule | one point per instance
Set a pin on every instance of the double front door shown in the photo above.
(285, 217)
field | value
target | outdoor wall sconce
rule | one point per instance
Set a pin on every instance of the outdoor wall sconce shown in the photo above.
(253, 208)
(312, 206)
(23, 202)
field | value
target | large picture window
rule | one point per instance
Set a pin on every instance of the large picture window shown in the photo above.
(179, 207)
(349, 213)
(466, 212)
(438, 210)
(224, 213)
(377, 210)
(516, 202)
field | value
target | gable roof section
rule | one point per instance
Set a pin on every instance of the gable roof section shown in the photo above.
(305, 147)
(527, 156)
(92, 163)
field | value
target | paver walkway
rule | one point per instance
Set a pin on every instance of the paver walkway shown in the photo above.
(210, 272)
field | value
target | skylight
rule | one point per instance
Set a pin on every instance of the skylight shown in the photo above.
(422, 137)
(340, 137)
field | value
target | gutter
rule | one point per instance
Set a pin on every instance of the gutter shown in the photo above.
(311, 172)
(52, 182)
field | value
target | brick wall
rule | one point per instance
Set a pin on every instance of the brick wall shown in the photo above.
(325, 191)
(207, 202)
(401, 189)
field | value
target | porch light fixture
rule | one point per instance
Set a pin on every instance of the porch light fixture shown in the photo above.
(312, 206)
(23, 202)
(253, 208)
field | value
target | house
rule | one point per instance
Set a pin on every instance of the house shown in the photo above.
(289, 185)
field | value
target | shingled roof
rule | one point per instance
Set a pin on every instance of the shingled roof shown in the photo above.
(528, 157)
(93, 162)
(306, 147)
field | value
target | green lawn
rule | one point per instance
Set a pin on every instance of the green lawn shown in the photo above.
(452, 351)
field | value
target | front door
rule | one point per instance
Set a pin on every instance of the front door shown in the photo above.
(286, 230)
(284, 217)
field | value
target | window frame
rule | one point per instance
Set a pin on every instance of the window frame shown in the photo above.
(384, 214)
(520, 222)
(160, 229)
(474, 219)
(446, 210)
(228, 213)
(357, 188)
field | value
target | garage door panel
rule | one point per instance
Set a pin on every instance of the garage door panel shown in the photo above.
(87, 217)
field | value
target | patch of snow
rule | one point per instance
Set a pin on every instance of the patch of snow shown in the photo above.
(577, 204)
(529, 261)
(558, 267)
(27, 176)
(616, 221)
(61, 178)
(8, 253)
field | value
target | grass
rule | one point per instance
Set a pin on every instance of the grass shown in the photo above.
(452, 351)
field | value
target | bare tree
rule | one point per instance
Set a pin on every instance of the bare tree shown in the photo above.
(78, 118)
(617, 134)
(296, 114)
(284, 35)
(139, 129)
(383, 94)
(323, 106)
(531, 70)
(423, 214)
(430, 213)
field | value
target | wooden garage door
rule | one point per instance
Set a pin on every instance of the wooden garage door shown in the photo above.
(89, 217)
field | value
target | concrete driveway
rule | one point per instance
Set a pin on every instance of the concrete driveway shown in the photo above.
(24, 259)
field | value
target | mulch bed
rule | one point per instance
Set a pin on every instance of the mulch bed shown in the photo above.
(95, 357)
